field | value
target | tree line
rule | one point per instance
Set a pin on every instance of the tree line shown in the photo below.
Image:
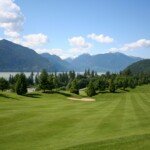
(90, 80)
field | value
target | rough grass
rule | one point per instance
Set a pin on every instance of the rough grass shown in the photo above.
(51, 121)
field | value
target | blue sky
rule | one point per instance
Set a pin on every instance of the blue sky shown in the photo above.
(71, 27)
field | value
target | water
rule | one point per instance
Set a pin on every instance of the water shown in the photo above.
(7, 74)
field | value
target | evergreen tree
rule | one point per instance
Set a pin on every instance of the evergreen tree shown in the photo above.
(3, 84)
(90, 89)
(125, 83)
(74, 87)
(31, 79)
(37, 79)
(101, 85)
(51, 82)
(112, 86)
(21, 85)
(131, 83)
(43, 80)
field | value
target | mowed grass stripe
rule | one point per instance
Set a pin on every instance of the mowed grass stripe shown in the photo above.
(141, 114)
(141, 102)
(130, 120)
(88, 124)
(113, 122)
(146, 99)
(136, 142)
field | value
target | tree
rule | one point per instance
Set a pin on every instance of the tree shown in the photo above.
(90, 89)
(131, 83)
(43, 80)
(21, 85)
(3, 84)
(74, 87)
(101, 85)
(37, 79)
(51, 82)
(31, 79)
(112, 86)
(125, 83)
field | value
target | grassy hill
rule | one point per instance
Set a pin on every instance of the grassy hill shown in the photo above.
(142, 66)
(51, 121)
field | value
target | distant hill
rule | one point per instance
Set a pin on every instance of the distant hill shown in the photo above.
(142, 66)
(58, 63)
(113, 62)
(14, 57)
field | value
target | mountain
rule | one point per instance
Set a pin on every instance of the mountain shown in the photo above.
(58, 63)
(113, 62)
(142, 66)
(69, 59)
(14, 57)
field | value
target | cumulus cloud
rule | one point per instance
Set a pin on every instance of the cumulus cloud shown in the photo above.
(79, 42)
(142, 43)
(55, 51)
(11, 18)
(34, 40)
(100, 38)
(79, 45)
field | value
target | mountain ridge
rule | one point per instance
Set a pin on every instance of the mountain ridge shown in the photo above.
(15, 57)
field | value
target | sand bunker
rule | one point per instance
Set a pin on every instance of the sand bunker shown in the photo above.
(82, 99)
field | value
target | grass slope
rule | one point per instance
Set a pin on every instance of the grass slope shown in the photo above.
(50, 121)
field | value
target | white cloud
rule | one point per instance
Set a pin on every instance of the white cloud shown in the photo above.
(55, 51)
(34, 40)
(74, 52)
(142, 43)
(79, 42)
(100, 38)
(11, 18)
(79, 45)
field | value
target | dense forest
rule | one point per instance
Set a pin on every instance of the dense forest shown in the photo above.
(70, 81)
(142, 66)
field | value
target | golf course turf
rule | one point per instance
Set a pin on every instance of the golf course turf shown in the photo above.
(40, 121)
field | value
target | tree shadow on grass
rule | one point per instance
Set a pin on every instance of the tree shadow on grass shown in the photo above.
(8, 97)
(33, 95)
(116, 92)
(63, 93)
(58, 92)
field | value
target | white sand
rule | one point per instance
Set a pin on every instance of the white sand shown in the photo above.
(82, 99)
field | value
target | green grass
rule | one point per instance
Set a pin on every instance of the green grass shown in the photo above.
(51, 121)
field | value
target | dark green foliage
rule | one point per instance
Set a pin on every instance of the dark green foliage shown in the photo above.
(125, 83)
(43, 80)
(82, 83)
(101, 84)
(132, 82)
(139, 67)
(51, 82)
(37, 79)
(112, 86)
(3, 84)
(74, 87)
(90, 89)
(21, 85)
(30, 79)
